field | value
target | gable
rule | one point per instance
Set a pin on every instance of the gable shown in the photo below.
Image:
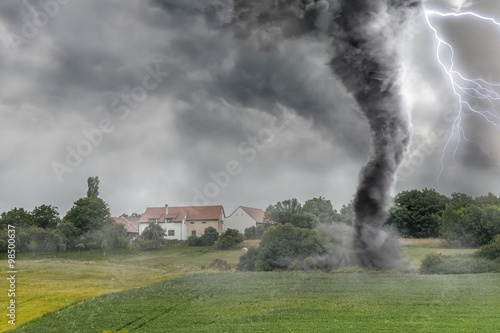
(256, 214)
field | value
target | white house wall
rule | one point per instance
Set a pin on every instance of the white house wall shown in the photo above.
(178, 228)
(239, 220)
(142, 226)
(179, 233)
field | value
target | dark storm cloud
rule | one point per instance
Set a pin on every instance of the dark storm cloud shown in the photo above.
(284, 73)
(220, 91)
(473, 156)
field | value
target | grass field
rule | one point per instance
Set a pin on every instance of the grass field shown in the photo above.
(291, 302)
(48, 284)
(45, 284)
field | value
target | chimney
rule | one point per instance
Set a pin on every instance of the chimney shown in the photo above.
(166, 209)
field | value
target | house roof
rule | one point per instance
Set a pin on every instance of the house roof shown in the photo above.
(256, 213)
(128, 226)
(132, 220)
(178, 214)
(152, 213)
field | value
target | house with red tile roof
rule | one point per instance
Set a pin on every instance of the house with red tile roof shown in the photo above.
(183, 221)
(244, 217)
(132, 230)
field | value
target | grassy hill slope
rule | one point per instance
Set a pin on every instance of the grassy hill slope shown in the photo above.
(290, 302)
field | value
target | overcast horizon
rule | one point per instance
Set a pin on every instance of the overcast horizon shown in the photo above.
(166, 106)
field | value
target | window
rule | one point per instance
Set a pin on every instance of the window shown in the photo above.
(171, 232)
(193, 233)
(204, 222)
(191, 222)
(153, 220)
(169, 220)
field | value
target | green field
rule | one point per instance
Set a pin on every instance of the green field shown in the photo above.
(191, 300)
(48, 284)
(291, 302)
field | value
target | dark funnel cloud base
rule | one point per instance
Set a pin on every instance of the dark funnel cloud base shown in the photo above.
(366, 61)
(382, 250)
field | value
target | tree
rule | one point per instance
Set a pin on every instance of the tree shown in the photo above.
(417, 213)
(46, 216)
(131, 215)
(31, 238)
(93, 187)
(461, 199)
(152, 237)
(400, 218)
(281, 248)
(115, 236)
(17, 217)
(210, 236)
(55, 241)
(229, 239)
(490, 250)
(347, 213)
(469, 224)
(92, 240)
(490, 198)
(290, 211)
(33, 246)
(322, 209)
(69, 232)
(88, 214)
(255, 232)
(111, 236)
(456, 225)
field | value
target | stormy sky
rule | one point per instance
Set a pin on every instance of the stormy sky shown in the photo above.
(167, 104)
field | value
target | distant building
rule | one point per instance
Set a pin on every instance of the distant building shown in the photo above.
(130, 226)
(244, 217)
(182, 222)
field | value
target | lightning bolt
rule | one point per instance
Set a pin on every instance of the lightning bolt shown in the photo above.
(468, 91)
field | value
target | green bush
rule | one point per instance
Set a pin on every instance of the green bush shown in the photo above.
(229, 239)
(175, 242)
(460, 264)
(145, 244)
(255, 232)
(248, 261)
(220, 264)
(490, 250)
(194, 241)
(432, 264)
(282, 247)
(38, 240)
(208, 238)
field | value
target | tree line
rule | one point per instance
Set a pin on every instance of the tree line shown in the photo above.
(292, 243)
(461, 220)
(87, 225)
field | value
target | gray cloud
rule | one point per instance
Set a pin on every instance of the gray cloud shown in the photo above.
(220, 91)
